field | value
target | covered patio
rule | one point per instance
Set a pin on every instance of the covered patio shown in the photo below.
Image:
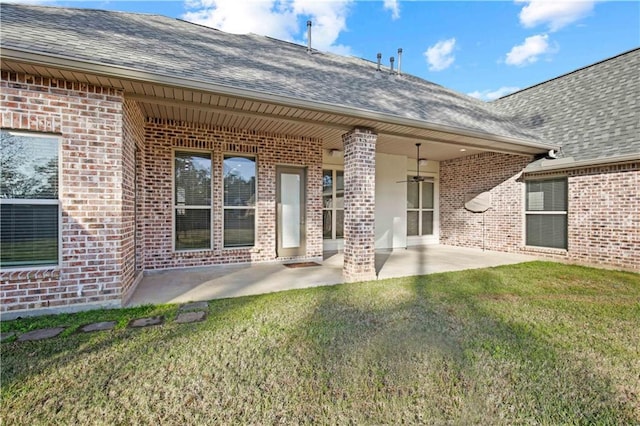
(217, 282)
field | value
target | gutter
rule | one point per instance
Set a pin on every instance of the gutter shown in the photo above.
(569, 163)
(127, 73)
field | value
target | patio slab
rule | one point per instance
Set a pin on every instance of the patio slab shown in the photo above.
(217, 282)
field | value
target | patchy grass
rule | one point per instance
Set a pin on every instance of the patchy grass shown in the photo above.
(536, 343)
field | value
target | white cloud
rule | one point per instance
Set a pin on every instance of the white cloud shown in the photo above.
(529, 51)
(276, 18)
(440, 55)
(490, 95)
(554, 13)
(394, 7)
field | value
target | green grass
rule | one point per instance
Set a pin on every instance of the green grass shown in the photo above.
(536, 343)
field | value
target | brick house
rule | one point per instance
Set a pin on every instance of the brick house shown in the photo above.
(133, 143)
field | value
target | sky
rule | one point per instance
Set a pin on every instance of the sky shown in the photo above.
(485, 49)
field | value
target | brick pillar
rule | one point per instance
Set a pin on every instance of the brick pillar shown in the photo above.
(359, 204)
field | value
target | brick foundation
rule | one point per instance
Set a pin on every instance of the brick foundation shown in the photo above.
(359, 205)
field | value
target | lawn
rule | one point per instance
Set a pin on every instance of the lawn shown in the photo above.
(535, 343)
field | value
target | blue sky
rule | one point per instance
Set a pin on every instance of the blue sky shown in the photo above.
(485, 49)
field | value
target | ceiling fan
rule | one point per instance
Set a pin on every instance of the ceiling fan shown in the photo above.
(417, 178)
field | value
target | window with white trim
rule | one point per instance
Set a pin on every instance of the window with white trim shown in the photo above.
(239, 219)
(546, 213)
(332, 204)
(29, 204)
(419, 208)
(192, 200)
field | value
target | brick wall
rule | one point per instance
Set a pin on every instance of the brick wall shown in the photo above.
(359, 205)
(503, 224)
(132, 245)
(603, 218)
(89, 122)
(163, 136)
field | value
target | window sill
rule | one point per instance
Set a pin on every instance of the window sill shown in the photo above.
(193, 251)
(251, 249)
(545, 250)
(30, 273)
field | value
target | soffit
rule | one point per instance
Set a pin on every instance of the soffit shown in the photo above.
(175, 103)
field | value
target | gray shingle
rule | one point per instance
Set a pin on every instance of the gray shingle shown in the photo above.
(593, 113)
(171, 47)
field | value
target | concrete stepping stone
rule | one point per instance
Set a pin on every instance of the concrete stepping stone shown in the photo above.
(41, 334)
(7, 335)
(194, 306)
(146, 322)
(187, 317)
(98, 326)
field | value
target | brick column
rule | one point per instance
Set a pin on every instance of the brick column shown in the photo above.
(359, 204)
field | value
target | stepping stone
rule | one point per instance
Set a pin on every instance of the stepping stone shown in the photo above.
(145, 322)
(41, 334)
(5, 336)
(187, 317)
(194, 306)
(98, 326)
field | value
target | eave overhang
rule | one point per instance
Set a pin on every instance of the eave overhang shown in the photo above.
(396, 127)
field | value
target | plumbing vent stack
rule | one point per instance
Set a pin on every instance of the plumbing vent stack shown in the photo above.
(399, 61)
(309, 37)
(391, 67)
(379, 60)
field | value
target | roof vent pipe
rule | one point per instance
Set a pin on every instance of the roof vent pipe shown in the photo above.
(391, 59)
(399, 60)
(309, 37)
(379, 61)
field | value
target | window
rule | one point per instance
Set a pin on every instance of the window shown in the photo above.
(546, 213)
(192, 200)
(419, 208)
(30, 210)
(332, 204)
(239, 201)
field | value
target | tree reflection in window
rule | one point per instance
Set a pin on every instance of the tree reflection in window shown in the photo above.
(239, 201)
(30, 211)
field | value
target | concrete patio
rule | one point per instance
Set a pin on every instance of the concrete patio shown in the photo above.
(216, 282)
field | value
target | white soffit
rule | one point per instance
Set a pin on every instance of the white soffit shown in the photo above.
(160, 101)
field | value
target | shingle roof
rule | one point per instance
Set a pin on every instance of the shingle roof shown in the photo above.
(593, 112)
(166, 46)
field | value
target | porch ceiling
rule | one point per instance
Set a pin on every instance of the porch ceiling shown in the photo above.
(395, 136)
